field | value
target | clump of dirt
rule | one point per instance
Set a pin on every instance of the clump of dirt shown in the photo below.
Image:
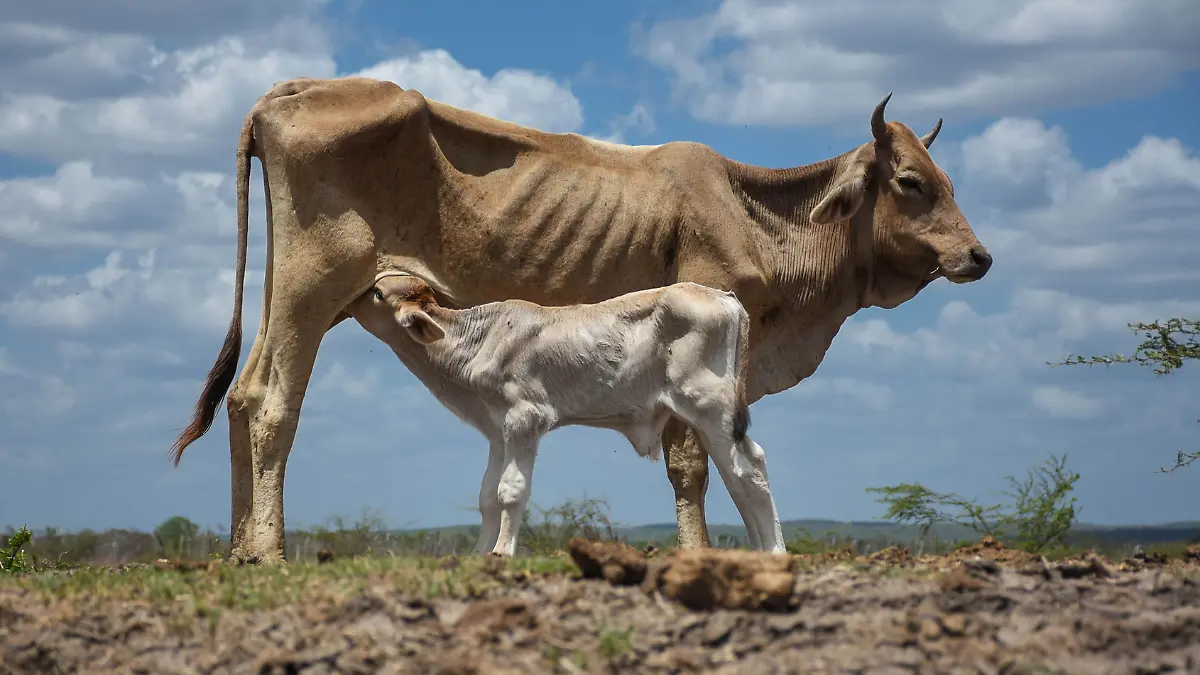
(892, 555)
(616, 562)
(1192, 553)
(990, 549)
(707, 579)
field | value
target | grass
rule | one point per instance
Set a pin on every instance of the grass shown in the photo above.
(254, 588)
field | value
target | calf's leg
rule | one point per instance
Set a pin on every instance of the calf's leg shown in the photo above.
(715, 430)
(489, 501)
(743, 469)
(516, 484)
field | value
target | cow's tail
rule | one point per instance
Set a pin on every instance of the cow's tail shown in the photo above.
(741, 410)
(221, 375)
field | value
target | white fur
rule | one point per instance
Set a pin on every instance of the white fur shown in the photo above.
(515, 371)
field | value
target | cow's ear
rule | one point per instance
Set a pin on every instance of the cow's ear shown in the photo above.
(844, 196)
(420, 326)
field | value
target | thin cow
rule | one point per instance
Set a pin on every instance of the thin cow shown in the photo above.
(515, 371)
(363, 176)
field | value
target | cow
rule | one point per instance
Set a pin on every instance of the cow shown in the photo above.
(362, 176)
(515, 371)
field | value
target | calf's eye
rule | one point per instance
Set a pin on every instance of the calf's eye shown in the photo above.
(909, 183)
(379, 295)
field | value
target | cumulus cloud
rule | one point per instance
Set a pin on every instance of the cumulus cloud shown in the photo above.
(73, 206)
(338, 379)
(42, 400)
(114, 293)
(639, 120)
(772, 62)
(516, 95)
(1060, 403)
(192, 97)
(1122, 229)
(870, 395)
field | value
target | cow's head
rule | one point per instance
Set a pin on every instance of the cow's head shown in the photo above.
(893, 187)
(396, 307)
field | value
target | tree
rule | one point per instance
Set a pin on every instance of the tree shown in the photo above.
(176, 535)
(1165, 347)
(1040, 515)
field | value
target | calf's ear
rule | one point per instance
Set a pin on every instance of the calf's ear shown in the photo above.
(420, 326)
(844, 196)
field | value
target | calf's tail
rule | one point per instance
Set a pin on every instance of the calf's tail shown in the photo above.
(741, 411)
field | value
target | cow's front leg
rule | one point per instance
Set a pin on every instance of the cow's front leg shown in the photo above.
(687, 468)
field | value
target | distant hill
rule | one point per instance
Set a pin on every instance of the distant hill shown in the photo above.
(894, 532)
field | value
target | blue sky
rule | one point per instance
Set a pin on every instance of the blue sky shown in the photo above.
(1071, 138)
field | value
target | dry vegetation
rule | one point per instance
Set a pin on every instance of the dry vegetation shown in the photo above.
(607, 607)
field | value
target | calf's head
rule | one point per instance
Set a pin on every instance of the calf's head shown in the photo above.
(892, 186)
(398, 308)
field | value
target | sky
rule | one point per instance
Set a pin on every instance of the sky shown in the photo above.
(1070, 133)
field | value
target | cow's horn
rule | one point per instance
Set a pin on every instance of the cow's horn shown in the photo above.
(927, 139)
(878, 127)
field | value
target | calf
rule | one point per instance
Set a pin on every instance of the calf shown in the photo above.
(515, 371)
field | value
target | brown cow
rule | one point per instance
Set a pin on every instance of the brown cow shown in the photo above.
(363, 176)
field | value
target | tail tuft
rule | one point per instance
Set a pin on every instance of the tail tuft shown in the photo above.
(741, 423)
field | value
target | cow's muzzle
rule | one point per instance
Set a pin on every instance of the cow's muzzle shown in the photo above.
(972, 266)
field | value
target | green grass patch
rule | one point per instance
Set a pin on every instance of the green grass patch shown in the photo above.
(252, 588)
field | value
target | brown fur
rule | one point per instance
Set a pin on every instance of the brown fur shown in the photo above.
(362, 176)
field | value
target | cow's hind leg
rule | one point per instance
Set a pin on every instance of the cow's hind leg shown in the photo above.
(687, 469)
(269, 396)
(241, 469)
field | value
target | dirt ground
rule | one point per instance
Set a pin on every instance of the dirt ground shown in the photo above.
(982, 610)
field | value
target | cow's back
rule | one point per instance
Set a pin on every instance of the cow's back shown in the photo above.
(487, 210)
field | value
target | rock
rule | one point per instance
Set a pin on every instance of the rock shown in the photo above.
(617, 563)
(707, 579)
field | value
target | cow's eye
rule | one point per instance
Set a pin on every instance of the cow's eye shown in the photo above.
(379, 295)
(909, 183)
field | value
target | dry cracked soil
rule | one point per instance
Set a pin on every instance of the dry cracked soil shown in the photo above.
(981, 610)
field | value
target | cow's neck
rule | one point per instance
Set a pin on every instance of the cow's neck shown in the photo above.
(818, 274)
(817, 266)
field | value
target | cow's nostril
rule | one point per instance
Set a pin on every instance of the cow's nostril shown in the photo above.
(981, 258)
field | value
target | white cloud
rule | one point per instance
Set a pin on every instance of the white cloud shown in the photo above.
(191, 97)
(114, 294)
(1130, 223)
(871, 395)
(64, 208)
(1060, 403)
(339, 380)
(639, 120)
(1038, 326)
(47, 399)
(515, 95)
(769, 62)
(184, 23)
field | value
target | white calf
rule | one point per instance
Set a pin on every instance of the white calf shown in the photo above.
(515, 371)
